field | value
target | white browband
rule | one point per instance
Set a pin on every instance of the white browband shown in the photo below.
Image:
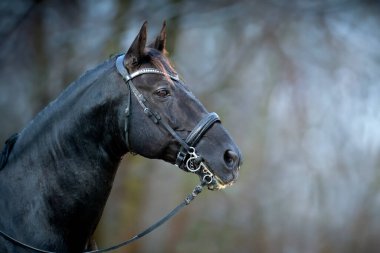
(148, 71)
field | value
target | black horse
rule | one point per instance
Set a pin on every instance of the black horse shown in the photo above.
(56, 175)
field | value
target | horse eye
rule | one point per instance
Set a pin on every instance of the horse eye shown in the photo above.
(162, 93)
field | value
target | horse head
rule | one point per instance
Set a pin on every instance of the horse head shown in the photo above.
(164, 120)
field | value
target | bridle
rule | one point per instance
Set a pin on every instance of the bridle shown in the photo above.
(187, 157)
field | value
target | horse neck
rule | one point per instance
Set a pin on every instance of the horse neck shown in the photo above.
(74, 147)
(82, 120)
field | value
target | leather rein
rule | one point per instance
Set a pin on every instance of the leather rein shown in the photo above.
(187, 157)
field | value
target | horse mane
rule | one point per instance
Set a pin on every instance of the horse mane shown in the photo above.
(158, 59)
(7, 150)
(82, 83)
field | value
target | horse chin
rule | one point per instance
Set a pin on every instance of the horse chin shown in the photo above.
(216, 183)
(219, 184)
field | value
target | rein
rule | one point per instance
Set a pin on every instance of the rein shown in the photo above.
(187, 157)
(197, 190)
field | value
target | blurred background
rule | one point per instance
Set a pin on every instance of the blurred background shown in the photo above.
(296, 83)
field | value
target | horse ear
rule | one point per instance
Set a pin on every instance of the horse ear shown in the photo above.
(136, 52)
(160, 41)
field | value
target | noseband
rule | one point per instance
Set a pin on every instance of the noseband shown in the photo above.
(187, 157)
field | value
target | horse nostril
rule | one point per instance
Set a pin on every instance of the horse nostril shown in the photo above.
(231, 159)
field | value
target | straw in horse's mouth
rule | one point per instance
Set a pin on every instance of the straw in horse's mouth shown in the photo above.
(222, 185)
(216, 182)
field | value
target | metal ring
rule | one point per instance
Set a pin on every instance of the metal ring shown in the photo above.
(191, 151)
(192, 165)
(208, 178)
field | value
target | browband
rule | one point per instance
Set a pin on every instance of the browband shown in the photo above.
(127, 77)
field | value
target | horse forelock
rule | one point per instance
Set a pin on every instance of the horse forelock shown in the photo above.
(161, 62)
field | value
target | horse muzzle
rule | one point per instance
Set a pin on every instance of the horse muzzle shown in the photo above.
(196, 164)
